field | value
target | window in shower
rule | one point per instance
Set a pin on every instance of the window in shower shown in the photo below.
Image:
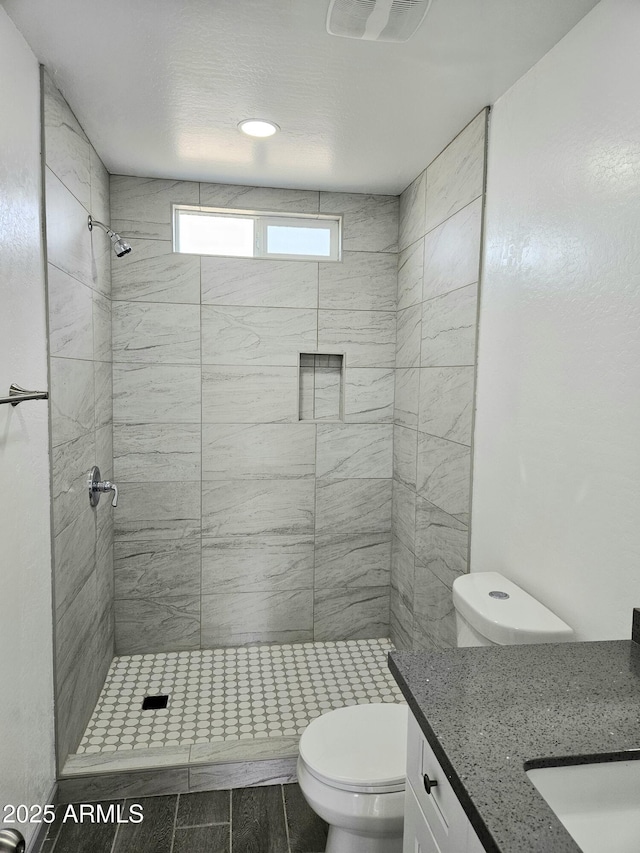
(321, 387)
(256, 234)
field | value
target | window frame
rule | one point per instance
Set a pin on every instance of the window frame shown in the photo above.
(262, 219)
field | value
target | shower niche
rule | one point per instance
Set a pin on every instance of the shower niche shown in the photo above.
(321, 386)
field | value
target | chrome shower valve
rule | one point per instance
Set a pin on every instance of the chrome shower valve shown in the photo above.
(98, 487)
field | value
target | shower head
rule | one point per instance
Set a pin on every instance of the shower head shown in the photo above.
(120, 246)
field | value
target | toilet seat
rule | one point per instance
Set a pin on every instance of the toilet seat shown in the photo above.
(360, 748)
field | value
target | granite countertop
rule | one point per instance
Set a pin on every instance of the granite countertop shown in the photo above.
(487, 711)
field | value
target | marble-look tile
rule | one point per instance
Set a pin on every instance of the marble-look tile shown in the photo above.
(104, 559)
(156, 393)
(174, 512)
(258, 282)
(156, 569)
(402, 572)
(412, 211)
(101, 253)
(231, 508)
(74, 559)
(449, 328)
(307, 389)
(101, 327)
(367, 337)
(349, 614)
(103, 457)
(242, 774)
(274, 199)
(434, 623)
(405, 448)
(368, 395)
(66, 145)
(410, 273)
(121, 761)
(153, 272)
(442, 542)
(256, 563)
(258, 451)
(370, 222)
(249, 394)
(100, 203)
(103, 383)
(346, 451)
(408, 335)
(452, 252)
(157, 452)
(165, 623)
(70, 316)
(278, 616)
(404, 514)
(156, 333)
(68, 238)
(75, 637)
(353, 506)
(400, 621)
(141, 207)
(71, 463)
(72, 399)
(328, 397)
(446, 402)
(456, 176)
(407, 380)
(360, 559)
(255, 749)
(364, 281)
(141, 783)
(254, 336)
(78, 669)
(444, 474)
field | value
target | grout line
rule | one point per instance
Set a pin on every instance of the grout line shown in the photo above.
(286, 822)
(115, 837)
(230, 820)
(175, 820)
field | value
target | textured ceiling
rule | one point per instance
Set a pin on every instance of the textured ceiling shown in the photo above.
(160, 85)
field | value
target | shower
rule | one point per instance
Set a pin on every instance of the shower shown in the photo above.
(120, 246)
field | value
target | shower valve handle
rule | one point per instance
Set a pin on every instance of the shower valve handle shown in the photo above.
(98, 487)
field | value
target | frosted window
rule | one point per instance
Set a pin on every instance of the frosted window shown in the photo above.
(199, 234)
(294, 240)
(256, 234)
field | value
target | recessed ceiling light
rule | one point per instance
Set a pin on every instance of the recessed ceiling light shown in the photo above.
(258, 127)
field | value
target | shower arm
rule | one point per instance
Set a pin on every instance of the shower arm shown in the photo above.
(105, 228)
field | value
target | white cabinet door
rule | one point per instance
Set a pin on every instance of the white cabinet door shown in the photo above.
(418, 838)
(445, 826)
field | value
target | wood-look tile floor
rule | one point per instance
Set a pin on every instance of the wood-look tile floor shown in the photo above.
(270, 819)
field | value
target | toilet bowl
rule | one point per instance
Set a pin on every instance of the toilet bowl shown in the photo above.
(351, 771)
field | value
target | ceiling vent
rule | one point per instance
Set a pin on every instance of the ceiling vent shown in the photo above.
(376, 20)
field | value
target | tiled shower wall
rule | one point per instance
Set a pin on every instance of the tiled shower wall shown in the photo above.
(79, 291)
(237, 522)
(438, 272)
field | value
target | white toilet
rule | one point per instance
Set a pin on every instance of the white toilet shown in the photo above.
(352, 762)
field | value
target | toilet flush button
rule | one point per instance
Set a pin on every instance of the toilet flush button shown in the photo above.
(496, 593)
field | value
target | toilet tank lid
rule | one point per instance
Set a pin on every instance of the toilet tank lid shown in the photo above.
(511, 618)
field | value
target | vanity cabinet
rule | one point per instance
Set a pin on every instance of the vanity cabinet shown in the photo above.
(434, 820)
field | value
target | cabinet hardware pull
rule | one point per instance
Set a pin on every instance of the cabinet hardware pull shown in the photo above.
(428, 783)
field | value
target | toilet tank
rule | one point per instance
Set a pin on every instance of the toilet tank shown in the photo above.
(492, 610)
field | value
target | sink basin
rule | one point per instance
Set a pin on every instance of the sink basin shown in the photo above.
(598, 803)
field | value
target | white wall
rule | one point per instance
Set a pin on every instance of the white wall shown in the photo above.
(556, 498)
(26, 710)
